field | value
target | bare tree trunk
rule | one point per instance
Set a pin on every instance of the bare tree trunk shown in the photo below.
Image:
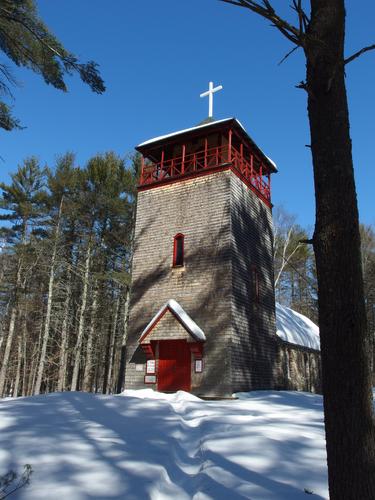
(9, 341)
(78, 346)
(125, 318)
(111, 347)
(64, 337)
(34, 362)
(349, 415)
(5, 314)
(87, 376)
(47, 322)
(25, 364)
(284, 258)
(18, 371)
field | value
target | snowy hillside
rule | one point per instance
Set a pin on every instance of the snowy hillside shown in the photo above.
(146, 445)
(296, 328)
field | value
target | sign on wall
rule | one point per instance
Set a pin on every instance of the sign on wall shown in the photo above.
(198, 365)
(150, 366)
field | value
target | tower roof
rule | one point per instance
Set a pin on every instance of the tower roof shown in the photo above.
(156, 142)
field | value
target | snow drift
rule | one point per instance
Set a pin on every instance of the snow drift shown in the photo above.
(147, 445)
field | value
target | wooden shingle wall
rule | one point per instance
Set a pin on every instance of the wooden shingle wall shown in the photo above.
(200, 209)
(254, 346)
(227, 234)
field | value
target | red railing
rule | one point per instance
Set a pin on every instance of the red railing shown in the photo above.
(212, 158)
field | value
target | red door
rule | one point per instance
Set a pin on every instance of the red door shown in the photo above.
(174, 370)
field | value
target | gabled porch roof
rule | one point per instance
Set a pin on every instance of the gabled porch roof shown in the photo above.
(181, 315)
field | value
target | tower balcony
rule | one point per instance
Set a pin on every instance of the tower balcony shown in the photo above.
(248, 166)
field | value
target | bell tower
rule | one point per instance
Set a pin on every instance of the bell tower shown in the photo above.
(202, 311)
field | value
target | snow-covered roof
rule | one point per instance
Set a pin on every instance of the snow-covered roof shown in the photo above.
(172, 134)
(296, 328)
(182, 316)
(204, 125)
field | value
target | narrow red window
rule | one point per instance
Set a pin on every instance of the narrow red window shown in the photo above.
(255, 284)
(178, 250)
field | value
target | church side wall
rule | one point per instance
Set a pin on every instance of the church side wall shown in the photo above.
(199, 208)
(300, 368)
(255, 359)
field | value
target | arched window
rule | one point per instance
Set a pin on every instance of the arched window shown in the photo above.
(178, 250)
(255, 284)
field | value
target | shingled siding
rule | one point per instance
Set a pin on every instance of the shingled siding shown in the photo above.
(300, 368)
(254, 350)
(199, 208)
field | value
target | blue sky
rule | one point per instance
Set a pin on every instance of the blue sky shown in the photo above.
(156, 57)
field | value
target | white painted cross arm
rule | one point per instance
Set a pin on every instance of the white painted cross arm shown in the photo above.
(210, 93)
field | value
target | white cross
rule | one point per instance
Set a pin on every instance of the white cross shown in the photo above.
(210, 93)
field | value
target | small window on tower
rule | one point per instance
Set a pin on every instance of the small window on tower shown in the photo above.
(178, 250)
(255, 284)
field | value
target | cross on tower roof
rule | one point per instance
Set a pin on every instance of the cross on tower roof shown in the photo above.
(210, 93)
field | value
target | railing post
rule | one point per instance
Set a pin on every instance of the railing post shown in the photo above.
(161, 164)
(142, 169)
(241, 157)
(251, 167)
(183, 159)
(261, 178)
(194, 161)
(205, 152)
(230, 145)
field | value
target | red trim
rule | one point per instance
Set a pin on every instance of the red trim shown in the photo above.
(196, 348)
(148, 350)
(229, 144)
(183, 159)
(142, 169)
(152, 326)
(179, 237)
(221, 127)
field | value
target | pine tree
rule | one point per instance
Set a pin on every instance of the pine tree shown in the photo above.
(22, 200)
(27, 41)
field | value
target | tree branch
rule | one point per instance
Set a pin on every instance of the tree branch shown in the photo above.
(87, 72)
(359, 53)
(288, 54)
(292, 33)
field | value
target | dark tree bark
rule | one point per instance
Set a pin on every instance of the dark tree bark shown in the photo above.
(348, 405)
(345, 343)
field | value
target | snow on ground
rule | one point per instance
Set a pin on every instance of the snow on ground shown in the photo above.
(296, 328)
(146, 445)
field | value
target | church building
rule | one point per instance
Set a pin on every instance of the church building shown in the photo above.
(202, 310)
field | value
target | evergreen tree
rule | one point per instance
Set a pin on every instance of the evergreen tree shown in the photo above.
(22, 200)
(64, 273)
(27, 41)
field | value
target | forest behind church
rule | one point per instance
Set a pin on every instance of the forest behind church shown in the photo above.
(65, 267)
